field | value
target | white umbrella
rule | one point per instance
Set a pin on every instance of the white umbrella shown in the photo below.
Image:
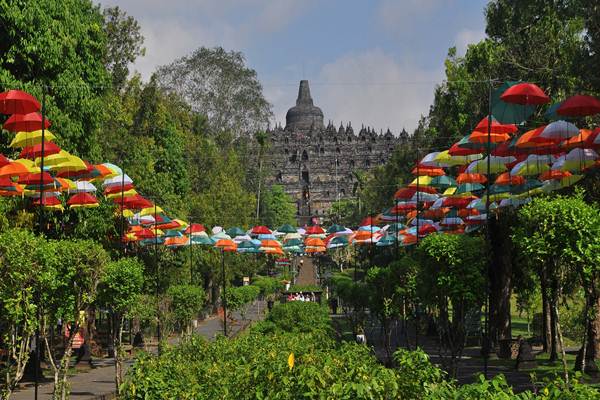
(83, 187)
(117, 181)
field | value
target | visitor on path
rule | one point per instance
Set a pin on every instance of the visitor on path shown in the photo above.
(270, 304)
(334, 305)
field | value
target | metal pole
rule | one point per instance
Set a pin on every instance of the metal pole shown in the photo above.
(123, 209)
(41, 227)
(417, 192)
(191, 255)
(487, 341)
(224, 292)
(156, 269)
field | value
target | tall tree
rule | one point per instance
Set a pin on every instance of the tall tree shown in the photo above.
(218, 84)
(124, 44)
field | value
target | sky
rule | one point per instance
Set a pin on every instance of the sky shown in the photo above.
(371, 62)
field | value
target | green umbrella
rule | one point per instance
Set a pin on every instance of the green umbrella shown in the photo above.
(247, 246)
(287, 228)
(338, 241)
(202, 240)
(508, 113)
(526, 187)
(293, 242)
(468, 188)
(442, 182)
(387, 240)
(235, 231)
(395, 228)
(335, 228)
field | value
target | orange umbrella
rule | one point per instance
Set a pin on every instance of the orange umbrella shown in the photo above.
(526, 140)
(482, 137)
(428, 171)
(176, 241)
(14, 169)
(554, 174)
(269, 243)
(314, 242)
(507, 179)
(470, 178)
(273, 250)
(226, 245)
(584, 139)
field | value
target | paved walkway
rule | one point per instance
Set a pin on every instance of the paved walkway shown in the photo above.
(307, 274)
(99, 383)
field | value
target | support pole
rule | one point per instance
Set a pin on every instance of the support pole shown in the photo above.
(486, 338)
(156, 269)
(224, 293)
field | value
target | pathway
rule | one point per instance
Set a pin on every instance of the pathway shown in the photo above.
(307, 274)
(99, 383)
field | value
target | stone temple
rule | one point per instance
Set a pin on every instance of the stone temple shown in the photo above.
(316, 163)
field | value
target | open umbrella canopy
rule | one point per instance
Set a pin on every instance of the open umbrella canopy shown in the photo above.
(235, 231)
(260, 229)
(286, 228)
(427, 171)
(25, 122)
(470, 178)
(452, 160)
(37, 178)
(117, 181)
(226, 245)
(83, 187)
(338, 241)
(495, 127)
(556, 132)
(579, 106)
(203, 240)
(509, 113)
(85, 200)
(18, 102)
(247, 246)
(35, 151)
(508, 179)
(315, 230)
(525, 94)
(25, 139)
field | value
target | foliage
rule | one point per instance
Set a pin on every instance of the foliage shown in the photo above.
(278, 208)
(268, 285)
(121, 284)
(217, 84)
(297, 316)
(186, 302)
(239, 296)
(123, 43)
(59, 48)
(305, 288)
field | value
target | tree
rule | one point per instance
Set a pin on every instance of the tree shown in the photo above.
(186, 303)
(19, 274)
(58, 48)
(124, 43)
(217, 83)
(560, 237)
(451, 280)
(278, 208)
(119, 288)
(71, 272)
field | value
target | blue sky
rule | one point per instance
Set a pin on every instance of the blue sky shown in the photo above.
(369, 62)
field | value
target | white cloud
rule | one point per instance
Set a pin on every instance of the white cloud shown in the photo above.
(466, 37)
(175, 28)
(370, 87)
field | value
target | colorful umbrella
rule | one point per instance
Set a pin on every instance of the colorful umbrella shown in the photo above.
(579, 106)
(24, 139)
(257, 230)
(18, 102)
(25, 122)
(525, 94)
(287, 228)
(84, 200)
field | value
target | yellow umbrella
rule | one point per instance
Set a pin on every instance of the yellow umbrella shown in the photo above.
(450, 191)
(127, 193)
(151, 211)
(24, 139)
(422, 180)
(54, 159)
(182, 223)
(73, 163)
(445, 158)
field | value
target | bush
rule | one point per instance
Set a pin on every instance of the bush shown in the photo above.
(186, 302)
(296, 316)
(256, 367)
(267, 285)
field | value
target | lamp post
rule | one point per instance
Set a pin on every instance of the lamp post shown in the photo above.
(157, 289)
(224, 297)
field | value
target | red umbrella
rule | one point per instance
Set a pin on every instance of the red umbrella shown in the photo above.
(428, 171)
(579, 106)
(525, 94)
(470, 178)
(195, 228)
(46, 201)
(408, 192)
(26, 122)
(457, 150)
(35, 151)
(117, 188)
(315, 230)
(82, 199)
(18, 102)
(458, 201)
(261, 230)
(37, 178)
(508, 179)
(134, 202)
(496, 127)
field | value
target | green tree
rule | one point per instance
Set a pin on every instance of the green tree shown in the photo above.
(451, 280)
(58, 48)
(119, 288)
(218, 84)
(124, 43)
(278, 208)
(186, 303)
(19, 276)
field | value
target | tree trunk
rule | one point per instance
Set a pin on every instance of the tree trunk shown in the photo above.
(546, 323)
(561, 343)
(590, 349)
(500, 282)
(553, 334)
